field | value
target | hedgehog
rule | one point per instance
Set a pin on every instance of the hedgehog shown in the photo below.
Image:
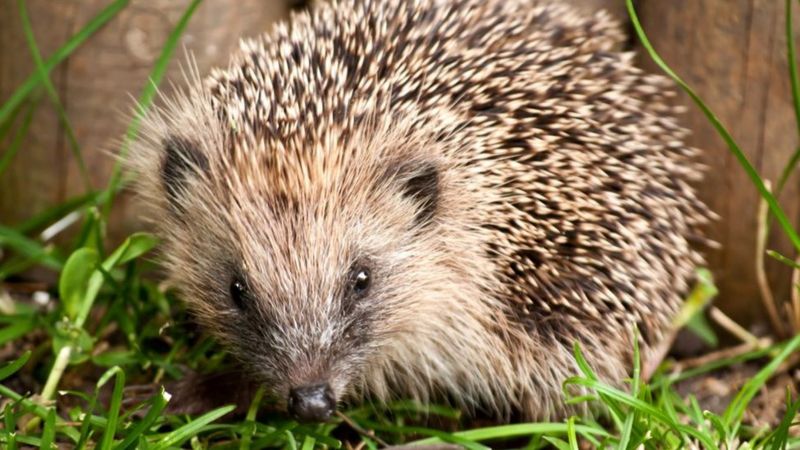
(429, 200)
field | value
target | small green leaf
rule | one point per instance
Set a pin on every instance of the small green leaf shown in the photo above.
(703, 292)
(138, 245)
(74, 281)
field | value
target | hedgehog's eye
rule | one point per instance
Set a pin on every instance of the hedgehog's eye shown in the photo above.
(360, 281)
(239, 293)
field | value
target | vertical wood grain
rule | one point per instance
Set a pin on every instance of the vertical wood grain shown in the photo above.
(733, 52)
(97, 85)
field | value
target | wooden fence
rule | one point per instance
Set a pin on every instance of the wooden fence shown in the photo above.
(731, 51)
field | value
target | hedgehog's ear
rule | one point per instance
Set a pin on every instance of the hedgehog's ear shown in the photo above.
(181, 159)
(421, 184)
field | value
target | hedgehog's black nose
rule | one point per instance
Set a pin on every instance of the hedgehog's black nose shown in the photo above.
(312, 403)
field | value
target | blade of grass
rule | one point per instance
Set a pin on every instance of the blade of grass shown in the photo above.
(28, 440)
(10, 421)
(787, 171)
(776, 209)
(247, 434)
(612, 406)
(514, 431)
(116, 402)
(643, 407)
(44, 77)
(60, 55)
(7, 125)
(159, 402)
(16, 144)
(636, 387)
(779, 438)
(86, 429)
(57, 212)
(571, 435)
(792, 59)
(735, 409)
(179, 435)
(321, 438)
(28, 247)
(559, 444)
(146, 99)
(18, 328)
(627, 430)
(308, 443)
(291, 443)
(714, 365)
(12, 367)
(40, 412)
(794, 78)
(440, 436)
(783, 259)
(49, 431)
(14, 265)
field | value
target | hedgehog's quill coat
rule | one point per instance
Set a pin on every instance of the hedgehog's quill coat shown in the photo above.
(429, 199)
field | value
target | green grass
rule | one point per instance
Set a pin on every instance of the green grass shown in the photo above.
(114, 328)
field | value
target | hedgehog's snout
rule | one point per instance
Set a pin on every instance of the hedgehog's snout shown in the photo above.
(312, 403)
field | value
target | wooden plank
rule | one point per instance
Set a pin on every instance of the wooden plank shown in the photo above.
(97, 83)
(733, 53)
(32, 182)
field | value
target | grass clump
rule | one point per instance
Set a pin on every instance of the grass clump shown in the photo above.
(88, 371)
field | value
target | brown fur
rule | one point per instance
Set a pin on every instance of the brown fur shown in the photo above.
(560, 211)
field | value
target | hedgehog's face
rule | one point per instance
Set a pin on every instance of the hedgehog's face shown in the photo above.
(308, 263)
